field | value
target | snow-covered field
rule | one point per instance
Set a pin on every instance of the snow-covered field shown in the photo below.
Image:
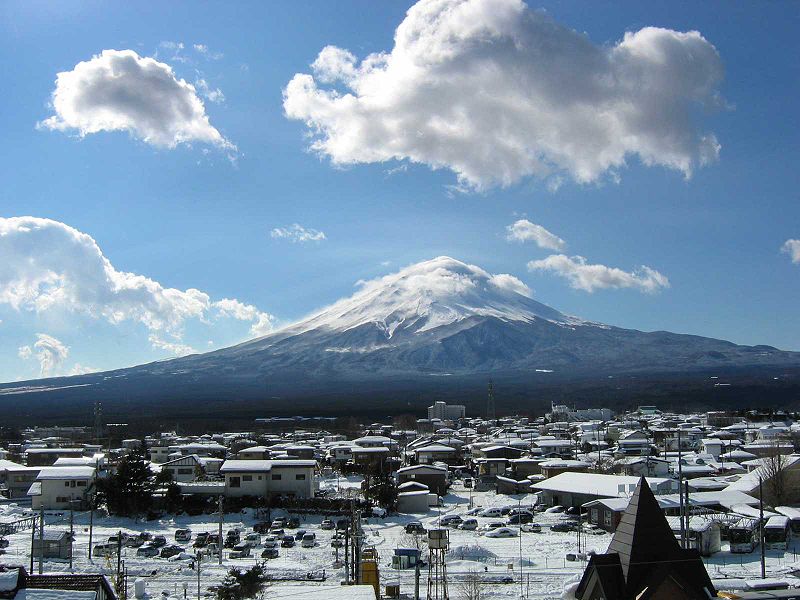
(542, 572)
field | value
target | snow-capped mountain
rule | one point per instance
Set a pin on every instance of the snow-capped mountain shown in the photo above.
(437, 318)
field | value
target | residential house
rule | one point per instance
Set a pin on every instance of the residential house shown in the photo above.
(265, 478)
(434, 477)
(59, 488)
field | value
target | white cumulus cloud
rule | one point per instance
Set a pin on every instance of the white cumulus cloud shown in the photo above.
(118, 90)
(590, 277)
(50, 265)
(525, 231)
(49, 351)
(792, 248)
(496, 92)
(297, 233)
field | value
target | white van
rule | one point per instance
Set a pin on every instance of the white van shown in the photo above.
(491, 512)
(309, 540)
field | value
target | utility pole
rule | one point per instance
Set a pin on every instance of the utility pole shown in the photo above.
(199, 559)
(680, 491)
(761, 528)
(71, 533)
(519, 517)
(91, 524)
(490, 412)
(41, 539)
(221, 517)
(119, 559)
(33, 539)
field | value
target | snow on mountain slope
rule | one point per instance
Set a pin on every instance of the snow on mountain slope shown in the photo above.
(431, 294)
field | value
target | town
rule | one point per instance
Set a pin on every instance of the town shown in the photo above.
(568, 504)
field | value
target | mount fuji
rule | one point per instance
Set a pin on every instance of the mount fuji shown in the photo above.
(433, 325)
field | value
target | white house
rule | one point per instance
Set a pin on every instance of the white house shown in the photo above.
(57, 488)
(269, 477)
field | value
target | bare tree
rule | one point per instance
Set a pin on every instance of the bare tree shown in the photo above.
(469, 588)
(774, 474)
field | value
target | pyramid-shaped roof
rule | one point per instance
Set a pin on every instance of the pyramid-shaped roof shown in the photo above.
(643, 534)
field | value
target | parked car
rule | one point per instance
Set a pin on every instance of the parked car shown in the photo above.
(450, 521)
(470, 524)
(277, 532)
(3, 543)
(240, 550)
(532, 528)
(271, 541)
(279, 523)
(213, 538)
(472, 512)
(415, 527)
(261, 527)
(491, 512)
(159, 541)
(493, 525)
(379, 512)
(171, 550)
(287, 541)
(293, 523)
(564, 527)
(520, 518)
(309, 540)
(146, 551)
(327, 524)
(573, 510)
(103, 550)
(183, 535)
(253, 539)
(269, 553)
(299, 534)
(114, 539)
(232, 538)
(555, 509)
(501, 532)
(201, 539)
(211, 549)
(134, 541)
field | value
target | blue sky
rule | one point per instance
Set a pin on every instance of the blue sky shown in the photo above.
(200, 215)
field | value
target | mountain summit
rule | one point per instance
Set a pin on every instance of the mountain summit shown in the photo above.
(435, 320)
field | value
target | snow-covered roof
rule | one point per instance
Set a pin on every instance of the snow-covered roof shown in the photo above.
(255, 466)
(323, 592)
(749, 483)
(65, 473)
(43, 594)
(598, 484)
(442, 470)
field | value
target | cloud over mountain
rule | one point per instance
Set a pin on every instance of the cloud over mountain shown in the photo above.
(496, 92)
(48, 265)
(118, 90)
(49, 351)
(792, 248)
(590, 277)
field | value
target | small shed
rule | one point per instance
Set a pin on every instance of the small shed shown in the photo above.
(406, 558)
(412, 502)
(56, 544)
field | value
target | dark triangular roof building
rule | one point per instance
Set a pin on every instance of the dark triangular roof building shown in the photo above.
(644, 560)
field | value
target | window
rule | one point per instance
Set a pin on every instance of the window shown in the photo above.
(247, 478)
(300, 477)
(81, 484)
(62, 499)
(66, 484)
(607, 517)
(595, 514)
(235, 482)
(190, 471)
(276, 477)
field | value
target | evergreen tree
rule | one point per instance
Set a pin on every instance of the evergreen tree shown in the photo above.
(129, 491)
(241, 585)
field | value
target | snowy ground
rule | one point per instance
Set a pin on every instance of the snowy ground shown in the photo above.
(542, 573)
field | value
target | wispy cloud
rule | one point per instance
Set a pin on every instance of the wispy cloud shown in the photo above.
(792, 248)
(298, 234)
(49, 351)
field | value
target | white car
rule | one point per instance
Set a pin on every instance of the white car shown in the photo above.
(555, 509)
(271, 541)
(469, 524)
(491, 512)
(501, 532)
